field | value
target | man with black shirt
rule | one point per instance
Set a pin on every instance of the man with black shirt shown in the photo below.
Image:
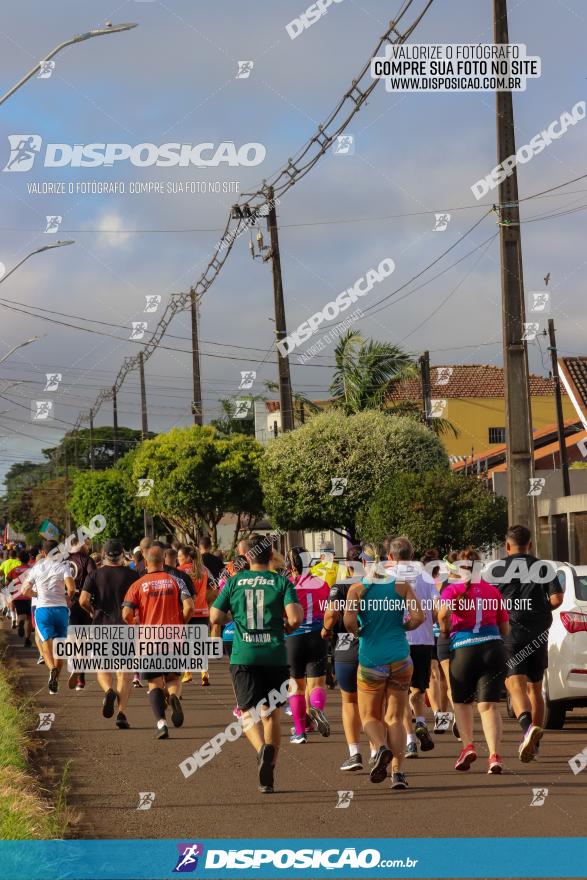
(531, 591)
(102, 597)
(82, 565)
(213, 563)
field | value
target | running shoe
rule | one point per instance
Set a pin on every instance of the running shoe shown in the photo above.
(186, 677)
(298, 739)
(53, 682)
(411, 750)
(136, 683)
(237, 712)
(121, 721)
(442, 721)
(495, 764)
(80, 684)
(205, 680)
(108, 703)
(27, 643)
(176, 710)
(40, 661)
(398, 780)
(466, 758)
(162, 730)
(455, 731)
(528, 745)
(265, 759)
(14, 624)
(426, 743)
(380, 764)
(320, 720)
(72, 681)
(21, 628)
(355, 762)
(287, 710)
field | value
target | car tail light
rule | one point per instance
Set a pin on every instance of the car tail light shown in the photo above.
(574, 622)
(578, 672)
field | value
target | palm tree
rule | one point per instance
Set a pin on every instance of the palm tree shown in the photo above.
(366, 372)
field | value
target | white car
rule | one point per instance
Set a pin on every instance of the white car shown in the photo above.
(565, 680)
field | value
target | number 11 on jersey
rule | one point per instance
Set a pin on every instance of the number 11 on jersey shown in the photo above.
(255, 600)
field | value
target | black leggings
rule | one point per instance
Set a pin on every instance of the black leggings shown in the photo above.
(478, 669)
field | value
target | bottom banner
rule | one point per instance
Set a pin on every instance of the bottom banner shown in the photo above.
(313, 858)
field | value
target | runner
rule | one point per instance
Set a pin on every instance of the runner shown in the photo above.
(346, 661)
(101, 598)
(159, 598)
(307, 651)
(11, 561)
(20, 603)
(51, 579)
(531, 605)
(258, 600)
(326, 568)
(420, 640)
(214, 565)
(474, 616)
(378, 606)
(81, 564)
(190, 562)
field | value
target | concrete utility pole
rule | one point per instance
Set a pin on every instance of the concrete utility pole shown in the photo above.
(560, 421)
(92, 439)
(147, 518)
(515, 355)
(197, 382)
(285, 395)
(425, 371)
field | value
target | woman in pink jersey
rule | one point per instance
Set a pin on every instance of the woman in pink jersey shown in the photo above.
(307, 652)
(472, 613)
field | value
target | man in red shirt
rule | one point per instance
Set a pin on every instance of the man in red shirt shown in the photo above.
(159, 598)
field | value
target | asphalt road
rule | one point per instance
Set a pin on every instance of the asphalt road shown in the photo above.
(109, 768)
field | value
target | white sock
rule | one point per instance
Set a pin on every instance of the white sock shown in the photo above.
(353, 749)
(373, 752)
(161, 723)
(420, 719)
(412, 738)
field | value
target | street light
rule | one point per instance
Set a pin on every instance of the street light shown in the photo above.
(46, 247)
(79, 38)
(16, 347)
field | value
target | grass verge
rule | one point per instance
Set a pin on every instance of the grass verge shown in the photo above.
(26, 813)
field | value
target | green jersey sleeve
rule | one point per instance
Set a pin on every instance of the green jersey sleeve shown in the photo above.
(222, 602)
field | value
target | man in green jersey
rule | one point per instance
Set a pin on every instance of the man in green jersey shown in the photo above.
(264, 606)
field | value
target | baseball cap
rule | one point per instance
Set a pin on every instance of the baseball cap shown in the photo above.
(113, 548)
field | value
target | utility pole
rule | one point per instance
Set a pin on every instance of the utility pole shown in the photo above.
(426, 404)
(197, 401)
(66, 489)
(515, 355)
(92, 439)
(285, 395)
(147, 518)
(114, 425)
(560, 422)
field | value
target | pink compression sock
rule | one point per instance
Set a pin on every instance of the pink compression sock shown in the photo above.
(298, 711)
(318, 698)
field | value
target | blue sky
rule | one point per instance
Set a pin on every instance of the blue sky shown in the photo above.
(173, 79)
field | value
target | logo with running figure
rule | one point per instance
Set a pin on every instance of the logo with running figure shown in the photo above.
(187, 860)
(23, 151)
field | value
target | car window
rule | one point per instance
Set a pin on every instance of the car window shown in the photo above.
(562, 579)
(581, 588)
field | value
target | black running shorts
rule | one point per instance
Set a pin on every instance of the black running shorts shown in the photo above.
(443, 648)
(252, 684)
(478, 670)
(422, 659)
(307, 655)
(526, 659)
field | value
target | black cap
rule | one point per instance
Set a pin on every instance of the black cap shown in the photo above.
(113, 548)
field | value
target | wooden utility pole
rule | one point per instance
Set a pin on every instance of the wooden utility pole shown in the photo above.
(426, 404)
(114, 424)
(515, 355)
(147, 518)
(285, 395)
(560, 421)
(197, 381)
(92, 439)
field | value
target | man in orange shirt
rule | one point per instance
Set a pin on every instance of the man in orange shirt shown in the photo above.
(159, 598)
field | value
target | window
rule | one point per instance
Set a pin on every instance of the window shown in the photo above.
(497, 435)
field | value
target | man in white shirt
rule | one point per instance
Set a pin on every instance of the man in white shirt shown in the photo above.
(52, 581)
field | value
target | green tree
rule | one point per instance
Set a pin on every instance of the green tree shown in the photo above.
(76, 446)
(227, 425)
(435, 509)
(198, 476)
(298, 467)
(106, 493)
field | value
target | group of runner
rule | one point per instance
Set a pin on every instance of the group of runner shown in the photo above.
(395, 634)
